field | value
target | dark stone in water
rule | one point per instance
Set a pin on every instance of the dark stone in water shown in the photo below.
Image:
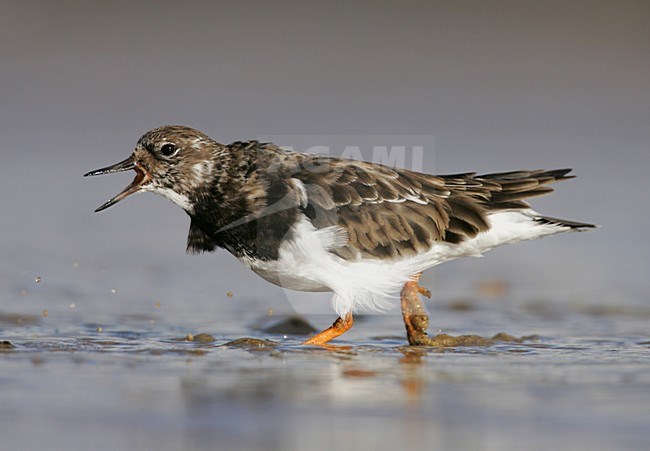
(203, 338)
(251, 343)
(448, 341)
(292, 325)
(6, 344)
(502, 336)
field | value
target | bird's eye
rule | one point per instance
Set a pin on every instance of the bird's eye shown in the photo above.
(168, 150)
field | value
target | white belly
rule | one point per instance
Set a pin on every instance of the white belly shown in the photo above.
(286, 276)
(306, 263)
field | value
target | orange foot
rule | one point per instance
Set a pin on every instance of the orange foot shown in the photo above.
(415, 316)
(340, 326)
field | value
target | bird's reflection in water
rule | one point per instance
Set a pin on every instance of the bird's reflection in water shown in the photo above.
(412, 379)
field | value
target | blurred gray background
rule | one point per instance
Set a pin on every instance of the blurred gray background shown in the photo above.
(502, 85)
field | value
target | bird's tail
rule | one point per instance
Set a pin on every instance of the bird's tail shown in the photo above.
(573, 225)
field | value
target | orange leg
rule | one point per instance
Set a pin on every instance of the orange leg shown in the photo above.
(415, 316)
(340, 326)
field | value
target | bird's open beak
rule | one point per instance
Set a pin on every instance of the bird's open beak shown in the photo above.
(142, 176)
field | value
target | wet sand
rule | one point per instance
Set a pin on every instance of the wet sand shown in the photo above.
(580, 380)
(112, 338)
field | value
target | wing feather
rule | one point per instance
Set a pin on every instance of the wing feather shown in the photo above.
(396, 213)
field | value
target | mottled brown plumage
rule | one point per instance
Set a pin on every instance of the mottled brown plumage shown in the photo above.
(314, 223)
(244, 194)
(394, 213)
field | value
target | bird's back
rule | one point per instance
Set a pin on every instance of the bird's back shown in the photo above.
(396, 213)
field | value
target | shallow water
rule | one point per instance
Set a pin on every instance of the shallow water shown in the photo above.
(496, 89)
(135, 382)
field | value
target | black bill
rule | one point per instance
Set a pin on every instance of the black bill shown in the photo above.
(141, 177)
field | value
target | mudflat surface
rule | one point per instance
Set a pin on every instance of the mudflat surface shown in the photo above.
(95, 308)
(581, 380)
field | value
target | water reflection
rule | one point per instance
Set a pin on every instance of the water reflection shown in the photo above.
(412, 379)
(156, 388)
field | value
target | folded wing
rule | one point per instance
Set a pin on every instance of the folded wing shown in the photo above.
(396, 213)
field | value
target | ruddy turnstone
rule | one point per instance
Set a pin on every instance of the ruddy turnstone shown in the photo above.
(312, 223)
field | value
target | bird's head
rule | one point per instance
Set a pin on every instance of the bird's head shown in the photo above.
(173, 161)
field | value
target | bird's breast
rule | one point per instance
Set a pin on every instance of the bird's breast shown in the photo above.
(282, 273)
